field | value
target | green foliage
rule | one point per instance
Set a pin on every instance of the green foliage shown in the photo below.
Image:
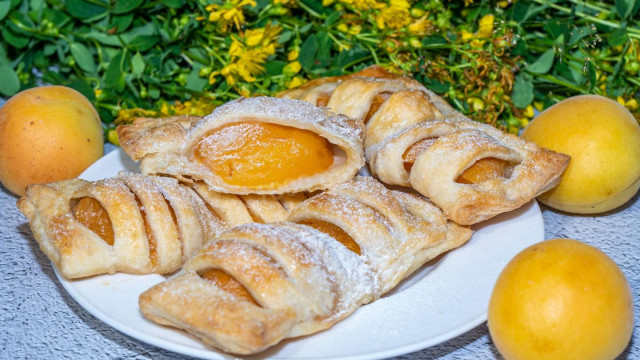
(135, 54)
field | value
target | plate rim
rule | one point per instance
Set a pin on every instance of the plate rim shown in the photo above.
(210, 353)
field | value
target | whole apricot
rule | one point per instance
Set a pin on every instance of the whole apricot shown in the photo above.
(603, 140)
(47, 134)
(561, 299)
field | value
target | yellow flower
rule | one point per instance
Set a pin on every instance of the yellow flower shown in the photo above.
(355, 29)
(295, 82)
(229, 14)
(485, 28)
(420, 26)
(364, 4)
(293, 54)
(631, 104)
(476, 103)
(538, 105)
(396, 16)
(112, 137)
(292, 68)
(343, 27)
(466, 35)
(620, 100)
(326, 3)
(528, 112)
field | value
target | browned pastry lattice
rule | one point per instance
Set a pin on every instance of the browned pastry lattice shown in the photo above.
(135, 223)
(414, 138)
(258, 284)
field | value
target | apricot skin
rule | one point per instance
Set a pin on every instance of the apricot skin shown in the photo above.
(47, 134)
(603, 140)
(561, 299)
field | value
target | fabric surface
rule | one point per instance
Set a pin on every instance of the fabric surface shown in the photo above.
(39, 320)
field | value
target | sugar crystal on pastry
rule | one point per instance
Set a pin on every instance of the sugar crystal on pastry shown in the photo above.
(135, 223)
(301, 279)
(252, 146)
(413, 138)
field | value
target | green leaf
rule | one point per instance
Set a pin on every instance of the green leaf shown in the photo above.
(618, 37)
(83, 88)
(624, 7)
(332, 18)
(144, 42)
(83, 57)
(10, 83)
(82, 9)
(174, 4)
(125, 6)
(120, 23)
(5, 6)
(14, 39)
(284, 37)
(437, 87)
(137, 64)
(522, 94)
(543, 64)
(307, 54)
(323, 55)
(194, 81)
(274, 67)
(434, 40)
(306, 28)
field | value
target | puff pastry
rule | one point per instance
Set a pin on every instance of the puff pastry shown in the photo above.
(414, 138)
(134, 223)
(258, 284)
(256, 145)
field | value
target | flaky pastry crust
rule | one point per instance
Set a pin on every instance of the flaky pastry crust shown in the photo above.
(301, 279)
(157, 223)
(408, 114)
(167, 146)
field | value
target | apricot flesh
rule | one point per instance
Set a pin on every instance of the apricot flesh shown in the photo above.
(90, 213)
(482, 170)
(227, 283)
(334, 231)
(263, 155)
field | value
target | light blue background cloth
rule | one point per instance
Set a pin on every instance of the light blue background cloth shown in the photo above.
(39, 320)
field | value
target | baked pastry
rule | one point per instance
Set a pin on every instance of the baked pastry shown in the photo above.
(413, 138)
(258, 284)
(133, 223)
(256, 145)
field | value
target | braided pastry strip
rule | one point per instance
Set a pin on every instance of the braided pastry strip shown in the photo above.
(133, 223)
(414, 138)
(257, 284)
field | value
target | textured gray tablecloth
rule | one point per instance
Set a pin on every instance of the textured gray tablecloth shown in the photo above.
(39, 320)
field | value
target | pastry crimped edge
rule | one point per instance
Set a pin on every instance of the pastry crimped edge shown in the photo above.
(302, 279)
(173, 153)
(413, 113)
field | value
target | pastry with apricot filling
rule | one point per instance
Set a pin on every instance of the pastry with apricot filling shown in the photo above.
(258, 284)
(413, 138)
(135, 223)
(256, 145)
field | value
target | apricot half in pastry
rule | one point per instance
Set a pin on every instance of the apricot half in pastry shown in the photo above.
(256, 145)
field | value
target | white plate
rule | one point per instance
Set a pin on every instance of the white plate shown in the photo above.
(444, 299)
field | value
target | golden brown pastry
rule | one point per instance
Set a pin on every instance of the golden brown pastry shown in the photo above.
(256, 145)
(133, 223)
(414, 138)
(257, 284)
